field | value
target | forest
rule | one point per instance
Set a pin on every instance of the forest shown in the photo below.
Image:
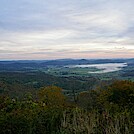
(33, 101)
(107, 110)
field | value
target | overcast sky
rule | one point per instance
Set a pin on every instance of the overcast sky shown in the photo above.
(55, 29)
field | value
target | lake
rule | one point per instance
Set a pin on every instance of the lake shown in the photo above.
(103, 68)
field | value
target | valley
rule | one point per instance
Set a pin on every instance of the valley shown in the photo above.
(73, 76)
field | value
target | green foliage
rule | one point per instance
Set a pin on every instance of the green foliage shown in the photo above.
(20, 83)
(88, 100)
(48, 121)
(100, 111)
(119, 95)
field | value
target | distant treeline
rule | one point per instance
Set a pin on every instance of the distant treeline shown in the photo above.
(29, 65)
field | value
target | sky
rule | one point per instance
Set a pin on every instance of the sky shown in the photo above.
(58, 29)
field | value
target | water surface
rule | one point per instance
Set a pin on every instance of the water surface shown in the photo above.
(103, 68)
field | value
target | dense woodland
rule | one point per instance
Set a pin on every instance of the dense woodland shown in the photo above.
(17, 84)
(33, 101)
(107, 109)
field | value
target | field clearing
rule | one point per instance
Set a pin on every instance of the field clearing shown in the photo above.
(102, 71)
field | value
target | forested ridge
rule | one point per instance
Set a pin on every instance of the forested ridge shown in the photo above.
(19, 83)
(107, 109)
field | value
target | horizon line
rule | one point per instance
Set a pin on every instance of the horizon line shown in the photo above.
(62, 59)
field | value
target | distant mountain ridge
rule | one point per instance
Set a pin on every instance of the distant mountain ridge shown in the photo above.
(20, 65)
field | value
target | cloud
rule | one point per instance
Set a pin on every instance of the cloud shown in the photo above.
(61, 29)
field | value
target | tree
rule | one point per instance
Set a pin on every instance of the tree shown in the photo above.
(120, 93)
(88, 99)
(51, 96)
